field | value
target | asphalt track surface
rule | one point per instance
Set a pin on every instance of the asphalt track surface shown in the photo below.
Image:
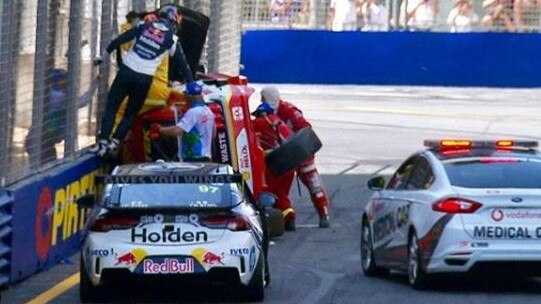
(365, 130)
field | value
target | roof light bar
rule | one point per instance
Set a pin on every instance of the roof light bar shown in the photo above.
(455, 144)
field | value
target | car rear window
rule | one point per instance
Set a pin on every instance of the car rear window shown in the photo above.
(174, 195)
(494, 172)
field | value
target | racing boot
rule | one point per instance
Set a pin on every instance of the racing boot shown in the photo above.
(324, 221)
(289, 219)
(112, 146)
(100, 148)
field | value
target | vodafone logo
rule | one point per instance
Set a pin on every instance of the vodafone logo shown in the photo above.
(497, 215)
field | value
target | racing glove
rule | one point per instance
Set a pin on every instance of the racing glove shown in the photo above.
(154, 133)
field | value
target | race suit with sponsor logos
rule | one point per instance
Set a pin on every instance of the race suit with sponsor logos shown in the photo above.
(152, 42)
(272, 132)
(307, 171)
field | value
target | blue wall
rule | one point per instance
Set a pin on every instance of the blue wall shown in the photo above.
(401, 58)
(46, 222)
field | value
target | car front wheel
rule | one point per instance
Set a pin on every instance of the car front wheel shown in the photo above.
(367, 253)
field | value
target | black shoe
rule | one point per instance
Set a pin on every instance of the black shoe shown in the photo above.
(324, 222)
(289, 225)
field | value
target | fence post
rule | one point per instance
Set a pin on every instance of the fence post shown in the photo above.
(105, 38)
(35, 132)
(74, 67)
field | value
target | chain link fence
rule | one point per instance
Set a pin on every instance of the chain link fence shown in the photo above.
(384, 15)
(52, 96)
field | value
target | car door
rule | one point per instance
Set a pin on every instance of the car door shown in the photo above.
(388, 212)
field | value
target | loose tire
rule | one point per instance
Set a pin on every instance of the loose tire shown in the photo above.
(275, 221)
(88, 293)
(417, 277)
(293, 152)
(368, 264)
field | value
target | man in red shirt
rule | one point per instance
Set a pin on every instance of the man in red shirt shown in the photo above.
(307, 171)
(272, 133)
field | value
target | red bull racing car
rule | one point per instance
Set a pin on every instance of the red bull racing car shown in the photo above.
(175, 222)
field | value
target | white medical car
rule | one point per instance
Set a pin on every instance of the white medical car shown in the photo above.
(457, 206)
(175, 221)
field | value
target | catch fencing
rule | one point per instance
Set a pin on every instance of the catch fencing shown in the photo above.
(390, 15)
(51, 95)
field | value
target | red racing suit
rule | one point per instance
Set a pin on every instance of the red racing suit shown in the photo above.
(272, 132)
(307, 171)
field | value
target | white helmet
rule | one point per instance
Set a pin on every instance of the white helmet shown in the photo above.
(271, 95)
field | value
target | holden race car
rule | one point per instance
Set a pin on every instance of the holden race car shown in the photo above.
(191, 222)
(458, 206)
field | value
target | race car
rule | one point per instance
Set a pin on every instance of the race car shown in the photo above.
(457, 206)
(174, 221)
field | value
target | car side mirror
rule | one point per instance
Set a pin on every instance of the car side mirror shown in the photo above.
(376, 183)
(86, 201)
(266, 199)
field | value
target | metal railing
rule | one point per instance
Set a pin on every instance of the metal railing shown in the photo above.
(51, 98)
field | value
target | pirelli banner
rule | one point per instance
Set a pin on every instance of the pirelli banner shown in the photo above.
(46, 220)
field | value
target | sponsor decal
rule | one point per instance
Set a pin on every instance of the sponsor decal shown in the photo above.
(131, 258)
(238, 114)
(222, 144)
(169, 266)
(202, 204)
(100, 252)
(172, 179)
(402, 215)
(239, 251)
(243, 155)
(207, 257)
(57, 216)
(251, 259)
(168, 235)
(498, 232)
(498, 215)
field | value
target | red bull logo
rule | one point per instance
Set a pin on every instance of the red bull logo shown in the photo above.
(131, 258)
(169, 266)
(211, 258)
(207, 257)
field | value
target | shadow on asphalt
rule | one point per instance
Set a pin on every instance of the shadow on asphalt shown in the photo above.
(493, 283)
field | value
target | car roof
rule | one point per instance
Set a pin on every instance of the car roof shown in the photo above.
(476, 152)
(161, 168)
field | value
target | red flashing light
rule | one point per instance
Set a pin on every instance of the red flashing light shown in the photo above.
(456, 205)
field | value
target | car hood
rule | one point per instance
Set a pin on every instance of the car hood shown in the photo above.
(193, 35)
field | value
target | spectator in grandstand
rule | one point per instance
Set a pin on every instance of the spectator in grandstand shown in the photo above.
(153, 41)
(307, 171)
(284, 11)
(498, 16)
(272, 133)
(196, 127)
(342, 15)
(462, 18)
(374, 16)
(420, 15)
(527, 15)
(55, 116)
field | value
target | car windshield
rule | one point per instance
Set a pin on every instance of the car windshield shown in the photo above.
(174, 195)
(494, 172)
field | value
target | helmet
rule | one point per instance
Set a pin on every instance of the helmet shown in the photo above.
(58, 75)
(171, 13)
(193, 88)
(270, 95)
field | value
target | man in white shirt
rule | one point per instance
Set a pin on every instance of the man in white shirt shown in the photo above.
(342, 15)
(420, 14)
(196, 127)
